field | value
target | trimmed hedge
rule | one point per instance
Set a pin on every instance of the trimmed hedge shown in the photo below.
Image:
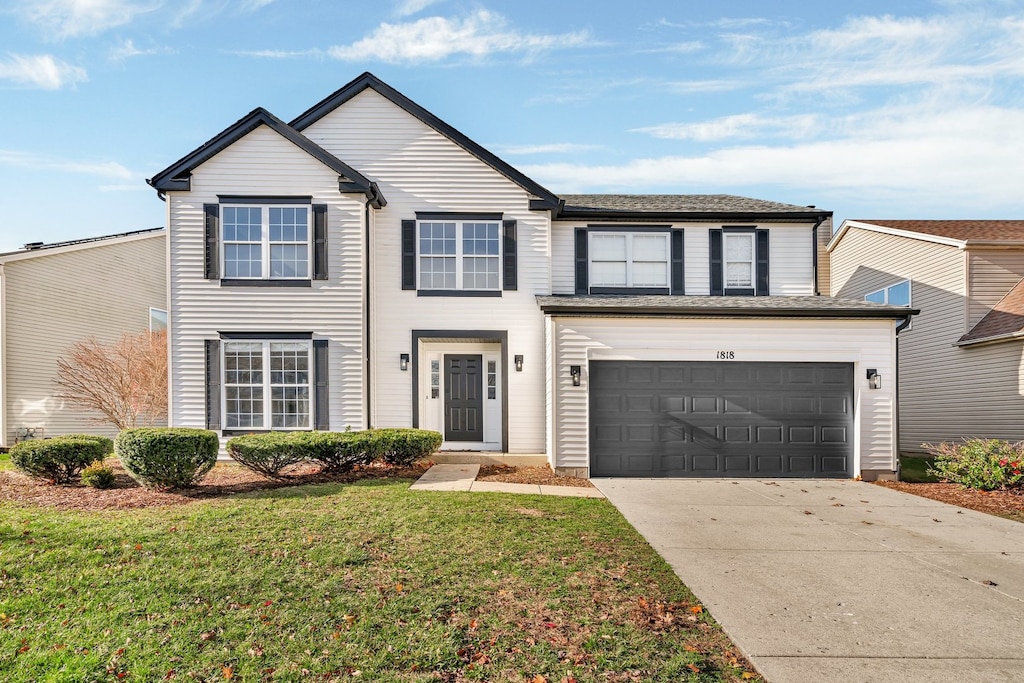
(268, 454)
(59, 459)
(406, 446)
(336, 452)
(167, 457)
(98, 476)
(985, 464)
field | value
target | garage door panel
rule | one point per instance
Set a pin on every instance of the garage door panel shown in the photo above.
(770, 419)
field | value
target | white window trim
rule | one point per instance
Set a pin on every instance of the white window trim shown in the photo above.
(752, 237)
(667, 236)
(167, 319)
(458, 255)
(265, 240)
(885, 292)
(268, 416)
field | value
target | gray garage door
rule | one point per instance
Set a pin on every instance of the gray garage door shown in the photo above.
(733, 419)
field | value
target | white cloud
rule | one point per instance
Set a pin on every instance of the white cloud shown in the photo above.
(407, 7)
(432, 39)
(42, 162)
(40, 71)
(552, 148)
(738, 126)
(277, 54)
(126, 49)
(253, 5)
(69, 18)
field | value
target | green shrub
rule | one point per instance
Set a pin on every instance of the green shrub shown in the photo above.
(406, 446)
(270, 453)
(167, 457)
(341, 451)
(98, 476)
(58, 459)
(985, 464)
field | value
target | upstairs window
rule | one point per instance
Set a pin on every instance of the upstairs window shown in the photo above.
(459, 255)
(266, 242)
(629, 260)
(739, 260)
(897, 294)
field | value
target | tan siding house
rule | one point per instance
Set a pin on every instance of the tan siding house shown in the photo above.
(58, 294)
(958, 376)
(367, 265)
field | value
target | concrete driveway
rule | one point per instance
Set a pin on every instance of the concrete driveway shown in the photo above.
(842, 580)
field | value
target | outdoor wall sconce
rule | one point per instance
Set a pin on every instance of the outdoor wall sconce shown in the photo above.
(874, 379)
(576, 373)
(519, 362)
(403, 362)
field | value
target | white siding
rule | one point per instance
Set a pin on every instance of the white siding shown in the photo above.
(865, 343)
(991, 274)
(790, 261)
(55, 299)
(946, 392)
(418, 169)
(263, 163)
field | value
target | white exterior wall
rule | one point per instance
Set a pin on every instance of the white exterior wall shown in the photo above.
(865, 343)
(790, 257)
(53, 299)
(418, 169)
(264, 163)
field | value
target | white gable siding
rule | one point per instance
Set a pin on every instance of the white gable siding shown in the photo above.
(419, 169)
(991, 274)
(56, 299)
(865, 343)
(790, 261)
(264, 163)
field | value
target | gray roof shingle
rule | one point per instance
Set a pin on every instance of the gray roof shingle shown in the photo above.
(700, 204)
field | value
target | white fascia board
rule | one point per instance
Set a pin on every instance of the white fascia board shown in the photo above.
(924, 237)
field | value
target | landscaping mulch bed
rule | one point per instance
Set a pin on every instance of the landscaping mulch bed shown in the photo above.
(1009, 504)
(542, 476)
(224, 479)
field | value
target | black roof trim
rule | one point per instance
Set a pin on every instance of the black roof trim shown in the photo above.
(176, 176)
(39, 246)
(719, 307)
(368, 80)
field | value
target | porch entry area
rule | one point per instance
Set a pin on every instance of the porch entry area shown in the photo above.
(460, 387)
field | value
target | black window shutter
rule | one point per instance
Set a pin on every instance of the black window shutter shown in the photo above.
(678, 286)
(213, 384)
(319, 241)
(320, 374)
(408, 254)
(211, 222)
(511, 282)
(717, 284)
(582, 262)
(762, 264)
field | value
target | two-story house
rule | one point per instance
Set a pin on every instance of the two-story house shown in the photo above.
(369, 265)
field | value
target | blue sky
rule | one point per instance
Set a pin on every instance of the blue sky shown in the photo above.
(898, 109)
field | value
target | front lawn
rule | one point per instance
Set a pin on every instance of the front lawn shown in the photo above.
(366, 581)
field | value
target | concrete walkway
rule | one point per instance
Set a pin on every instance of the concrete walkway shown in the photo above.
(840, 580)
(463, 478)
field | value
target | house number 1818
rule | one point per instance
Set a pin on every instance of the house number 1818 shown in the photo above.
(725, 355)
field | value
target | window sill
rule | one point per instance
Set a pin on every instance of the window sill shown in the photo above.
(266, 283)
(739, 292)
(459, 292)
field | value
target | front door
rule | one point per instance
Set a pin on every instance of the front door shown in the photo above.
(463, 398)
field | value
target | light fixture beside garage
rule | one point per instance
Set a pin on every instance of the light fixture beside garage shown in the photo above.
(576, 372)
(519, 362)
(874, 379)
(403, 362)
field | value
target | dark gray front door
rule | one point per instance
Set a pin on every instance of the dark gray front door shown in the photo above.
(463, 398)
(703, 419)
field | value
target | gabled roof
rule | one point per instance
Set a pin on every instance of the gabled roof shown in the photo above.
(720, 306)
(367, 80)
(1004, 322)
(33, 249)
(683, 206)
(956, 233)
(177, 176)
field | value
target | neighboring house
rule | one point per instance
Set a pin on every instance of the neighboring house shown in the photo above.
(53, 295)
(961, 370)
(369, 265)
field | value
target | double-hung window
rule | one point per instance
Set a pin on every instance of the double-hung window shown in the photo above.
(459, 255)
(739, 260)
(266, 242)
(629, 260)
(267, 384)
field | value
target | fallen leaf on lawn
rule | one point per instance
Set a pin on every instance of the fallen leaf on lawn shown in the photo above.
(169, 675)
(399, 587)
(689, 648)
(747, 675)
(138, 546)
(268, 603)
(472, 624)
(539, 679)
(229, 672)
(694, 668)
(207, 635)
(696, 609)
(350, 619)
(550, 624)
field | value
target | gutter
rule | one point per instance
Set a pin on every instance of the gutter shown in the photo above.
(995, 339)
(706, 312)
(814, 253)
(366, 309)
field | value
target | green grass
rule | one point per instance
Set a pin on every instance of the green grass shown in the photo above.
(914, 469)
(5, 462)
(321, 582)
